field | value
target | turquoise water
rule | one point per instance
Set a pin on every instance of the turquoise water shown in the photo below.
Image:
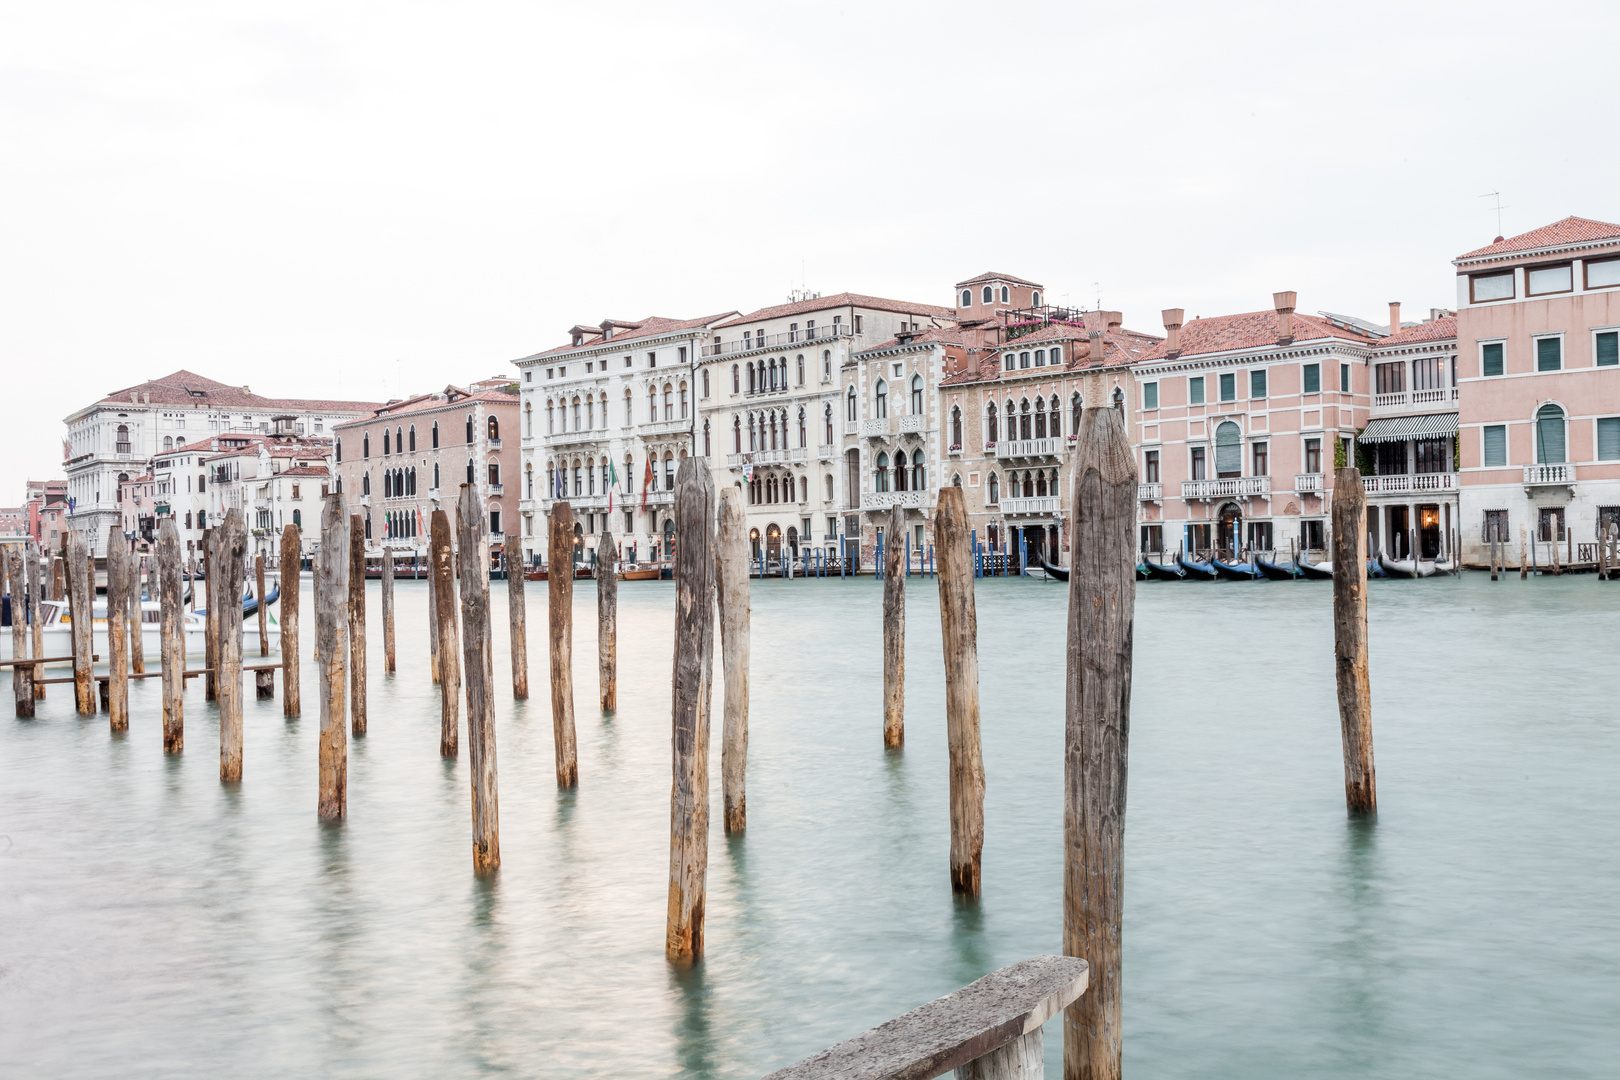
(156, 924)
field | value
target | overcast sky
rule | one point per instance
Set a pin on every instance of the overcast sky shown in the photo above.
(366, 200)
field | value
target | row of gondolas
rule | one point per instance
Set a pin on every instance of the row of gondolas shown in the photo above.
(1258, 567)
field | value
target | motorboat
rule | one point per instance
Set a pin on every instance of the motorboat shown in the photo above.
(639, 572)
(56, 629)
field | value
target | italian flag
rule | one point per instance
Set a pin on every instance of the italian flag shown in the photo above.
(613, 483)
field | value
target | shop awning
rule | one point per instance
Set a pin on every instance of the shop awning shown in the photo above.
(1395, 428)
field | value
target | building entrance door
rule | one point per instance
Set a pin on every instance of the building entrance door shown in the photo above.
(1231, 530)
(1428, 531)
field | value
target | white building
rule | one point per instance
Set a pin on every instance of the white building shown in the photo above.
(110, 441)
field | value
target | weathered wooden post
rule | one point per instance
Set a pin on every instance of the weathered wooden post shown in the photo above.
(894, 634)
(473, 541)
(264, 679)
(1523, 572)
(357, 625)
(517, 616)
(560, 615)
(433, 611)
(137, 647)
(58, 580)
(694, 672)
(118, 575)
(444, 615)
(230, 561)
(1097, 708)
(732, 592)
(172, 654)
(292, 557)
(960, 630)
(22, 675)
(1350, 640)
(607, 624)
(81, 593)
(331, 596)
(1552, 546)
(36, 586)
(388, 609)
(213, 597)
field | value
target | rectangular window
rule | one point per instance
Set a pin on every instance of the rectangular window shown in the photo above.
(1313, 455)
(1483, 287)
(1490, 358)
(1549, 353)
(1603, 273)
(1495, 445)
(1257, 383)
(1496, 526)
(1389, 378)
(1150, 395)
(652, 359)
(1608, 348)
(1150, 466)
(1344, 378)
(1312, 378)
(1198, 463)
(1262, 460)
(1195, 390)
(1608, 438)
(1228, 387)
(1549, 279)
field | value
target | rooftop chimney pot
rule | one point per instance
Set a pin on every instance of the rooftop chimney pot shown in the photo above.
(1394, 316)
(1284, 302)
(1096, 343)
(1173, 318)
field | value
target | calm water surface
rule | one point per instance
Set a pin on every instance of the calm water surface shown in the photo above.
(154, 923)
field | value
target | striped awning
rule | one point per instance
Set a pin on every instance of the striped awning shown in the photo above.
(1395, 428)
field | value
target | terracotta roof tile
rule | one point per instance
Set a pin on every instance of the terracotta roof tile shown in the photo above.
(944, 335)
(840, 300)
(1439, 330)
(1120, 347)
(193, 390)
(1571, 230)
(991, 275)
(422, 403)
(1250, 330)
(652, 326)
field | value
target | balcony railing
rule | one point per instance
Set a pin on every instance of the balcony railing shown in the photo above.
(883, 500)
(1415, 397)
(772, 341)
(1423, 397)
(798, 453)
(1150, 492)
(871, 429)
(1562, 473)
(1309, 483)
(666, 427)
(1028, 448)
(826, 451)
(910, 425)
(1383, 400)
(1231, 487)
(1403, 484)
(1029, 504)
(852, 427)
(497, 489)
(568, 438)
(495, 444)
(762, 457)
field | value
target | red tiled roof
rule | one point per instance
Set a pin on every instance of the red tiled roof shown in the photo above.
(1250, 330)
(1120, 347)
(304, 470)
(652, 326)
(422, 403)
(991, 275)
(944, 335)
(839, 300)
(1571, 230)
(190, 389)
(1437, 330)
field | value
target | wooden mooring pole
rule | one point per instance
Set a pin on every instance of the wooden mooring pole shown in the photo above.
(1523, 571)
(473, 541)
(959, 630)
(172, 653)
(22, 675)
(357, 625)
(1350, 640)
(230, 560)
(292, 557)
(388, 610)
(36, 587)
(433, 611)
(735, 604)
(560, 616)
(1097, 720)
(137, 647)
(331, 598)
(694, 672)
(607, 624)
(213, 596)
(894, 633)
(517, 618)
(81, 593)
(264, 678)
(444, 618)
(118, 575)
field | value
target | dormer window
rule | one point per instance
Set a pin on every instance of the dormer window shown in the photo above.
(577, 339)
(967, 297)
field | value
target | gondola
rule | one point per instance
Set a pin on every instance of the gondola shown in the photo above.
(1322, 571)
(1405, 568)
(1061, 573)
(1162, 571)
(1278, 571)
(250, 605)
(1195, 570)
(1142, 573)
(1375, 569)
(1235, 571)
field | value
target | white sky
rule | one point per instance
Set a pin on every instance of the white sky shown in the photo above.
(366, 200)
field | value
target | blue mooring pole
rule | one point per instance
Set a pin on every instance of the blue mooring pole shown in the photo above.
(1023, 553)
(908, 554)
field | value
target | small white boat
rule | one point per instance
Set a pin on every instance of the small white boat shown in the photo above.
(56, 630)
(1406, 568)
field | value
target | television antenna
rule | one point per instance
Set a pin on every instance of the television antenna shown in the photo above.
(1497, 195)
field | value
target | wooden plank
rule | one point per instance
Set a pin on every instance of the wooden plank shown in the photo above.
(959, 1028)
(22, 677)
(230, 560)
(517, 614)
(118, 575)
(1097, 704)
(444, 600)
(172, 652)
(694, 569)
(607, 623)
(388, 609)
(894, 630)
(357, 625)
(472, 538)
(331, 629)
(75, 557)
(292, 557)
(734, 602)
(560, 618)
(960, 633)
(1350, 640)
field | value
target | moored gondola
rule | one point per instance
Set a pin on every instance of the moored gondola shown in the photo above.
(1234, 571)
(1162, 571)
(1061, 573)
(1195, 570)
(1272, 570)
(1404, 568)
(1322, 571)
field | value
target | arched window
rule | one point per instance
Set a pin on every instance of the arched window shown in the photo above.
(967, 297)
(494, 427)
(990, 425)
(736, 384)
(804, 489)
(168, 443)
(827, 425)
(683, 398)
(705, 382)
(956, 427)
(916, 395)
(604, 474)
(880, 475)
(365, 446)
(826, 365)
(1040, 418)
(579, 420)
(385, 442)
(849, 410)
(470, 427)
(1550, 435)
(995, 489)
(801, 368)
(629, 407)
(880, 400)
(399, 440)
(736, 434)
(1035, 299)
(919, 472)
(1228, 450)
(827, 484)
(494, 473)
(368, 526)
(1119, 398)
(1004, 294)
(669, 471)
(1023, 419)
(122, 436)
(1056, 419)
(652, 404)
(435, 439)
(590, 412)
(471, 476)
(388, 482)
(1029, 486)
(1075, 405)
(707, 452)
(435, 468)
(413, 436)
(528, 480)
(773, 433)
(752, 377)
(902, 481)
(988, 294)
(1040, 482)
(804, 438)
(956, 480)
(365, 482)
(551, 419)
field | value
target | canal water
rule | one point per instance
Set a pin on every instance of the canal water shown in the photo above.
(156, 924)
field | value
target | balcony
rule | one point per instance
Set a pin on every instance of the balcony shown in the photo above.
(495, 444)
(884, 500)
(761, 457)
(798, 453)
(1309, 483)
(497, 489)
(1408, 483)
(852, 427)
(911, 425)
(1230, 488)
(666, 427)
(1549, 475)
(874, 429)
(1150, 493)
(660, 498)
(772, 341)
(826, 452)
(1443, 395)
(1027, 448)
(569, 438)
(1014, 506)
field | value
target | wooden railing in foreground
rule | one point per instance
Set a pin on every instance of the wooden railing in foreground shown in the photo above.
(988, 1030)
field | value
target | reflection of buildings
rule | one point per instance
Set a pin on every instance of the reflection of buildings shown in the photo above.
(1408, 450)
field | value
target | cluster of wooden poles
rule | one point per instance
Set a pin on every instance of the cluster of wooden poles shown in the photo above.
(1606, 556)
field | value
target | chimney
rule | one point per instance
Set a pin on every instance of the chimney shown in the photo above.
(1096, 340)
(1394, 316)
(1113, 319)
(1284, 302)
(1172, 329)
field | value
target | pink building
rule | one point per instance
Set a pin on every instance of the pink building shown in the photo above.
(1538, 353)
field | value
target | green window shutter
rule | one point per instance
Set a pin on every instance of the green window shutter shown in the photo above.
(1344, 378)
(1150, 395)
(1496, 445)
(1228, 387)
(1609, 438)
(1549, 435)
(1228, 450)
(1549, 354)
(1195, 390)
(1257, 383)
(1490, 358)
(1608, 349)
(1313, 378)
